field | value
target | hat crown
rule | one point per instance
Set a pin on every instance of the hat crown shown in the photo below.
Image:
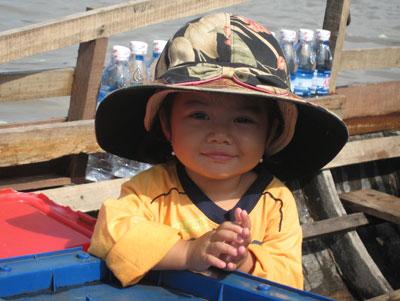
(201, 48)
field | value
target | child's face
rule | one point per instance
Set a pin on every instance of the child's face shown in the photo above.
(217, 136)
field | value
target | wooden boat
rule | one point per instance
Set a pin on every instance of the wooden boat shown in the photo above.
(349, 210)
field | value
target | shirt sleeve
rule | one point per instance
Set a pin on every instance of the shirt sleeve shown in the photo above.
(279, 257)
(129, 239)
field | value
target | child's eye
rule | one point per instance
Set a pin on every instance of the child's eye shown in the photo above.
(243, 120)
(199, 115)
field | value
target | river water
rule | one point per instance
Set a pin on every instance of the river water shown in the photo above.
(373, 24)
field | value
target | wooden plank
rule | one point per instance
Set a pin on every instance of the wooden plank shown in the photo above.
(371, 99)
(40, 143)
(334, 103)
(42, 84)
(334, 225)
(372, 124)
(85, 87)
(392, 296)
(375, 58)
(349, 251)
(85, 197)
(98, 23)
(335, 19)
(38, 122)
(374, 202)
(34, 182)
(367, 150)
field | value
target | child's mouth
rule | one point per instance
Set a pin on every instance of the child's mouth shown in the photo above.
(217, 156)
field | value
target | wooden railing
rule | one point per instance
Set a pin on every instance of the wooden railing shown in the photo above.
(365, 108)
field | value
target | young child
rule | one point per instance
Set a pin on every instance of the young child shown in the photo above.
(217, 123)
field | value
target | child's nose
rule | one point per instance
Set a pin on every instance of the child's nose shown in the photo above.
(220, 133)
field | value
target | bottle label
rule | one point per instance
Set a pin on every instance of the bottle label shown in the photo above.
(303, 82)
(322, 81)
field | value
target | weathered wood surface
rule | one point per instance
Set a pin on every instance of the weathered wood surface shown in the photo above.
(367, 150)
(84, 94)
(40, 143)
(35, 182)
(375, 58)
(98, 23)
(373, 202)
(85, 197)
(335, 20)
(370, 99)
(42, 84)
(85, 86)
(352, 257)
(334, 225)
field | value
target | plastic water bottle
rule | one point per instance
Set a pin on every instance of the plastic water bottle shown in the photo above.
(158, 47)
(323, 59)
(288, 37)
(305, 71)
(116, 74)
(137, 69)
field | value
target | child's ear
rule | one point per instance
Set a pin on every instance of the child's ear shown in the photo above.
(165, 125)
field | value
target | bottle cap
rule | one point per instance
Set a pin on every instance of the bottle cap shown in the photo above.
(306, 34)
(322, 34)
(138, 47)
(158, 45)
(120, 52)
(288, 35)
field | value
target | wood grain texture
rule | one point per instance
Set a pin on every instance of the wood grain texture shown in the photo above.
(356, 152)
(373, 202)
(40, 143)
(333, 225)
(374, 58)
(42, 84)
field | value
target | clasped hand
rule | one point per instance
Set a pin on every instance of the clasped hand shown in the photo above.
(225, 247)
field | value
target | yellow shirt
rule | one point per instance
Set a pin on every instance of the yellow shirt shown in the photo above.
(162, 205)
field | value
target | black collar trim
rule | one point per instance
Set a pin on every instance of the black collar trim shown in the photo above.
(214, 212)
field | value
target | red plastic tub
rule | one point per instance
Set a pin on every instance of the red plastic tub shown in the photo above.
(31, 223)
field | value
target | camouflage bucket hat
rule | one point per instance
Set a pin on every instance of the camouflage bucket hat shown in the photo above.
(222, 53)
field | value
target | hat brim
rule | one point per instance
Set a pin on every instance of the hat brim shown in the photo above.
(319, 134)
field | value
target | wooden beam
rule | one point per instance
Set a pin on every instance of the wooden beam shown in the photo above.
(334, 225)
(371, 99)
(334, 103)
(360, 59)
(40, 143)
(34, 182)
(86, 83)
(335, 20)
(35, 84)
(37, 122)
(98, 23)
(355, 152)
(85, 87)
(85, 197)
(373, 202)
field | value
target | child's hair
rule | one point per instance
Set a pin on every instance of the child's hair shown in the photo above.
(158, 149)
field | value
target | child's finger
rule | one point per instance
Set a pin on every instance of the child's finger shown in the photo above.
(227, 235)
(238, 218)
(246, 222)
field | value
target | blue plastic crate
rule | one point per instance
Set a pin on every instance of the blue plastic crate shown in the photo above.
(73, 274)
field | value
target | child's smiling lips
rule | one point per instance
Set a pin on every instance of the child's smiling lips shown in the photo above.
(218, 156)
